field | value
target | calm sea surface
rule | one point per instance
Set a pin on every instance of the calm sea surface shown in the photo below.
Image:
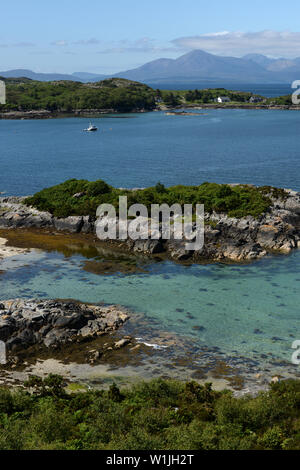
(249, 146)
(268, 90)
(249, 312)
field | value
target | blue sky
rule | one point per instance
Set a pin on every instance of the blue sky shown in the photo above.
(112, 35)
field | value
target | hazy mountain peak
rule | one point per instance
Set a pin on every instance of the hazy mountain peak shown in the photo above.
(196, 65)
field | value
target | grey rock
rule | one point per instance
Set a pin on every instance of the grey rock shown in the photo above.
(93, 328)
(71, 224)
(77, 321)
(87, 224)
(121, 343)
(54, 323)
(148, 246)
(57, 337)
(225, 238)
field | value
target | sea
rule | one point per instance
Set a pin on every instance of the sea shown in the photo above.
(267, 90)
(246, 316)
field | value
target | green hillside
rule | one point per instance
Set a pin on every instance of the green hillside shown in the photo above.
(66, 96)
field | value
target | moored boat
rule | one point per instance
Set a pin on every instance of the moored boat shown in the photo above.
(91, 128)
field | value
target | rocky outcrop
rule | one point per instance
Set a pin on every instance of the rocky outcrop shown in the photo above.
(53, 323)
(46, 114)
(33, 114)
(226, 238)
(15, 214)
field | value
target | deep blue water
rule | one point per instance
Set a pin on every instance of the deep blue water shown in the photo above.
(247, 146)
(268, 90)
(248, 311)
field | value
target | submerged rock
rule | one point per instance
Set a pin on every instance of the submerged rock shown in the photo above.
(121, 343)
(53, 323)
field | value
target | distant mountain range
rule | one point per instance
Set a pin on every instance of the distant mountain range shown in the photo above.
(194, 66)
(43, 77)
(48, 77)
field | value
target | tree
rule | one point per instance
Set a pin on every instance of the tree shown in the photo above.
(171, 100)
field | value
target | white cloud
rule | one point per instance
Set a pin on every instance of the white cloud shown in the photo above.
(143, 45)
(19, 44)
(24, 44)
(88, 42)
(60, 43)
(238, 43)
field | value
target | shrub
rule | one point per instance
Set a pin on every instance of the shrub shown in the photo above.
(158, 414)
(236, 201)
(97, 188)
(272, 438)
(6, 401)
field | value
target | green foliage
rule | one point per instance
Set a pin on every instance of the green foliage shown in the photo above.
(52, 385)
(160, 188)
(281, 100)
(159, 414)
(171, 99)
(6, 403)
(114, 393)
(97, 188)
(208, 95)
(236, 201)
(112, 94)
(66, 96)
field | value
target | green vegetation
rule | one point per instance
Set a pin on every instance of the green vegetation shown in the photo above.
(65, 96)
(280, 100)
(236, 201)
(116, 94)
(154, 415)
(209, 95)
(204, 96)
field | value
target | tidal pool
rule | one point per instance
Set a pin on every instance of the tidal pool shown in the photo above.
(244, 315)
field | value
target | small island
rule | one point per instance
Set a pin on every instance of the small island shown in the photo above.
(30, 99)
(242, 222)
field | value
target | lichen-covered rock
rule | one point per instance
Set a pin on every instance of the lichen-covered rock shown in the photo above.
(52, 323)
(71, 224)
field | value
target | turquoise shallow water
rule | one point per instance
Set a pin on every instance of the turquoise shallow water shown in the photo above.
(248, 312)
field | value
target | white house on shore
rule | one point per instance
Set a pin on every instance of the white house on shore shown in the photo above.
(222, 99)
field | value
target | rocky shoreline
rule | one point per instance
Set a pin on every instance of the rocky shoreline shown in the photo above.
(226, 239)
(46, 114)
(243, 106)
(53, 323)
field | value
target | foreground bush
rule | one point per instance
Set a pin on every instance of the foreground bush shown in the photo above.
(157, 415)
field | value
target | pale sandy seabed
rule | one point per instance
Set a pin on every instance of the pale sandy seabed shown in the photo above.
(133, 366)
(8, 251)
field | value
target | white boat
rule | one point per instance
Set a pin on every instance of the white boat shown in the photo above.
(91, 128)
